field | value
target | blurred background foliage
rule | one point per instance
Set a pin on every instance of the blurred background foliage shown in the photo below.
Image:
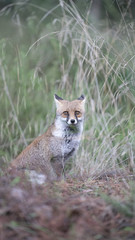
(69, 48)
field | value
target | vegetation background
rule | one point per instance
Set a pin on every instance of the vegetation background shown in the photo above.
(69, 48)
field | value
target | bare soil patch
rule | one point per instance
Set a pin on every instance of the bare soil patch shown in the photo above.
(71, 209)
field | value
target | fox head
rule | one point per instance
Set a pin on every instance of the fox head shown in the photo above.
(70, 112)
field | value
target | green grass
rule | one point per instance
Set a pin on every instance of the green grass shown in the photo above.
(66, 54)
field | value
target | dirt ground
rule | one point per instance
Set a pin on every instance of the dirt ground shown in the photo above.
(66, 210)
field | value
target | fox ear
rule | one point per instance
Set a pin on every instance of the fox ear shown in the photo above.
(81, 97)
(58, 100)
(57, 97)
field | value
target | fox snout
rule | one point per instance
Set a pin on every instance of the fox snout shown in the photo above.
(72, 121)
(69, 117)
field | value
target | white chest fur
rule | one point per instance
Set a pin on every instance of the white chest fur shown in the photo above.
(70, 137)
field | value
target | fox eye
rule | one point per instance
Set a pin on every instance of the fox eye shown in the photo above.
(78, 113)
(65, 114)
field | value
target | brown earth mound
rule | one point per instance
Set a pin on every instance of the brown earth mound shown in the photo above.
(71, 210)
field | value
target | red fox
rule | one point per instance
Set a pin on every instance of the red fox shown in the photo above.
(49, 152)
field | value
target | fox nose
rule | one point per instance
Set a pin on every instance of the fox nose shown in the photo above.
(72, 121)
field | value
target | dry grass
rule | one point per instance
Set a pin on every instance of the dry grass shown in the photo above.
(70, 57)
